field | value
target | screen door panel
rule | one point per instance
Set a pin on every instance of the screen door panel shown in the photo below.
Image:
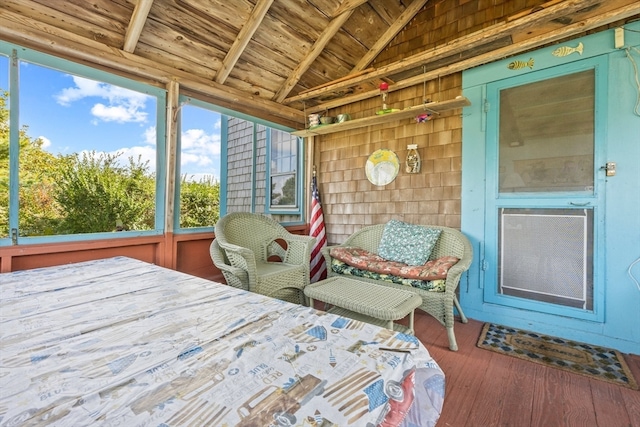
(544, 255)
(546, 135)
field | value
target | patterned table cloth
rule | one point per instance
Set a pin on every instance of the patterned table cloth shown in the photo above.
(119, 342)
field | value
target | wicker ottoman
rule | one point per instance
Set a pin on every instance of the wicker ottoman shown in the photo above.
(367, 302)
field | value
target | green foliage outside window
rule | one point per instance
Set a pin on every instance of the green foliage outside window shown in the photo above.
(199, 203)
(98, 194)
(89, 192)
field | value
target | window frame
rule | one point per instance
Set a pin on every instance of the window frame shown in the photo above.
(16, 54)
(188, 100)
(269, 174)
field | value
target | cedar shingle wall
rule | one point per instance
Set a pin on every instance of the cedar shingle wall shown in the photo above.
(239, 160)
(240, 163)
(432, 196)
(429, 197)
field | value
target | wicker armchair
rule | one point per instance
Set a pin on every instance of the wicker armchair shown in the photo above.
(256, 253)
(438, 304)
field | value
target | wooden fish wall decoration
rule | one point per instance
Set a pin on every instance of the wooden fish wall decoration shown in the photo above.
(517, 65)
(566, 50)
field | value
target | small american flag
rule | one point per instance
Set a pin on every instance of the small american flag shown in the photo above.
(318, 267)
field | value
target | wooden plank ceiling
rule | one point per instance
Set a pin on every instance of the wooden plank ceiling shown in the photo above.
(280, 59)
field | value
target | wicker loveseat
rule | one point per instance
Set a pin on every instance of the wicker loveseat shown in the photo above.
(437, 302)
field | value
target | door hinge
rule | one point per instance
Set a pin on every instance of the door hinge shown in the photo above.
(14, 236)
(484, 265)
(486, 106)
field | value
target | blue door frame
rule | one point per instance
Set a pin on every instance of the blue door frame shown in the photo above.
(616, 314)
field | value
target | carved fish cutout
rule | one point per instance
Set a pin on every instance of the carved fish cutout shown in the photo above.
(566, 50)
(517, 65)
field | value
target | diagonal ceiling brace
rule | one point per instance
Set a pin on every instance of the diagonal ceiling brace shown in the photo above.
(138, 18)
(244, 36)
(317, 48)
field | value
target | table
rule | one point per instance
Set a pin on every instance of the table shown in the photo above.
(367, 302)
(123, 342)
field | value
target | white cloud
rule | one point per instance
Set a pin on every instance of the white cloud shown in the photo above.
(199, 153)
(118, 113)
(150, 135)
(198, 141)
(46, 142)
(123, 105)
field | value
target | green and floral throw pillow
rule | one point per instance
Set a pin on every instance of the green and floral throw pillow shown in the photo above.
(408, 243)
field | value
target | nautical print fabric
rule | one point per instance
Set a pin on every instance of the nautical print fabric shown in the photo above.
(123, 342)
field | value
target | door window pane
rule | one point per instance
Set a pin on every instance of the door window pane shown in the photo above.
(546, 135)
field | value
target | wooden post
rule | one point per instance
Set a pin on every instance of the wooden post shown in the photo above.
(173, 110)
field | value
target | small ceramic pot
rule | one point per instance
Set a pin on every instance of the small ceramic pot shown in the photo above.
(343, 118)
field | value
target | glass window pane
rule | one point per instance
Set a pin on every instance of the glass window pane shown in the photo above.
(283, 190)
(547, 135)
(87, 155)
(199, 167)
(4, 146)
(284, 160)
(283, 152)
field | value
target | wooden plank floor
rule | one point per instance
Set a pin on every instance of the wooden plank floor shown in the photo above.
(489, 389)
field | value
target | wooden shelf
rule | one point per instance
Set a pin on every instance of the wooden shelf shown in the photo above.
(431, 107)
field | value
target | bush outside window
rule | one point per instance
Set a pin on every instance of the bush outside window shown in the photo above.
(85, 147)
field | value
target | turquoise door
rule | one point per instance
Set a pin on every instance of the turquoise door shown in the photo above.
(545, 192)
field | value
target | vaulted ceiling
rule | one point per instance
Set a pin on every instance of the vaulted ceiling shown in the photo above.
(280, 59)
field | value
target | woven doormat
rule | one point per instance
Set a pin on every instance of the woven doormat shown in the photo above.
(592, 361)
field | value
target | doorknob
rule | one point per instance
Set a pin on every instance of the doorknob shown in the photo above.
(609, 168)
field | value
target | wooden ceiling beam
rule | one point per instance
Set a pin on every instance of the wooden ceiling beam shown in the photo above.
(465, 43)
(317, 48)
(244, 36)
(138, 18)
(347, 5)
(583, 25)
(29, 33)
(407, 15)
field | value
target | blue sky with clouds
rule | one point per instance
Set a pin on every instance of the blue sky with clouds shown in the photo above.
(72, 114)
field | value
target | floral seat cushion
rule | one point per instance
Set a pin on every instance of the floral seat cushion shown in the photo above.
(346, 269)
(364, 260)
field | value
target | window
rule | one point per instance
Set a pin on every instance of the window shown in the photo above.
(199, 165)
(86, 150)
(283, 170)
